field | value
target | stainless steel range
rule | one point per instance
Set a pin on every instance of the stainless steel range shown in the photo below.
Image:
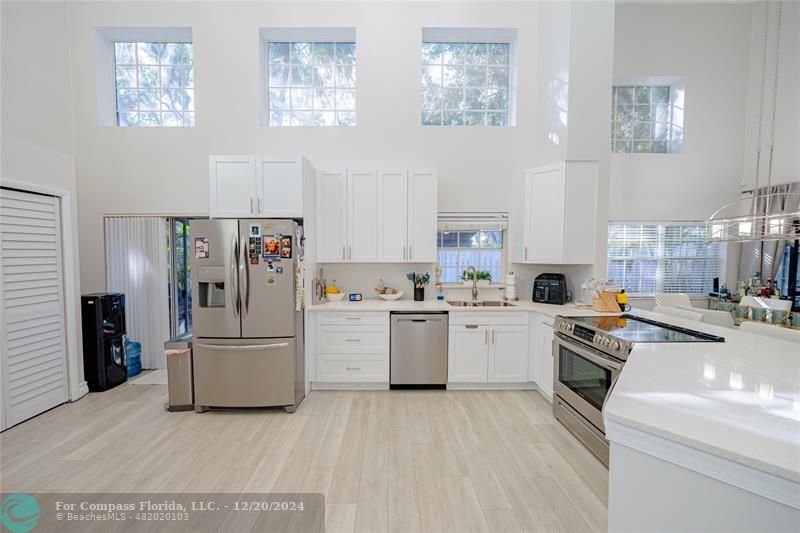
(589, 353)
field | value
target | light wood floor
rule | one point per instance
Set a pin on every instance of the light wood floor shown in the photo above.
(386, 461)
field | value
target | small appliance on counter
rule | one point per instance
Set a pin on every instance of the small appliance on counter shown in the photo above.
(550, 288)
(104, 364)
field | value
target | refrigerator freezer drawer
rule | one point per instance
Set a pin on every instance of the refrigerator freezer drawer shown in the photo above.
(254, 374)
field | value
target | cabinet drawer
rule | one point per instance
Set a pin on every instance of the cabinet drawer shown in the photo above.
(488, 318)
(332, 368)
(339, 318)
(353, 339)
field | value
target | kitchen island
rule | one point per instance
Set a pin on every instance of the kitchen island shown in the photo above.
(706, 436)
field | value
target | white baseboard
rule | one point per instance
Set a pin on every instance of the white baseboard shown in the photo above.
(83, 390)
(492, 386)
(343, 385)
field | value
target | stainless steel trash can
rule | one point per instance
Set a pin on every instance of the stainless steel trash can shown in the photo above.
(178, 352)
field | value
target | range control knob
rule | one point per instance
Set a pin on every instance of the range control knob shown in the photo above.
(597, 339)
(615, 345)
(606, 342)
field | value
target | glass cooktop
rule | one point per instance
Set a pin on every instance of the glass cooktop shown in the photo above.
(636, 329)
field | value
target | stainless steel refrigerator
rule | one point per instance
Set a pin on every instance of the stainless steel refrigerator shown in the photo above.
(247, 329)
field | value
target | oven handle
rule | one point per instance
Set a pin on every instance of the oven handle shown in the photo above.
(585, 352)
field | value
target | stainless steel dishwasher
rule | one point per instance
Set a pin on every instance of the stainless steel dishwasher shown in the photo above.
(418, 350)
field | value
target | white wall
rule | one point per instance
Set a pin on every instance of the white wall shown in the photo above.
(36, 145)
(786, 165)
(165, 170)
(708, 45)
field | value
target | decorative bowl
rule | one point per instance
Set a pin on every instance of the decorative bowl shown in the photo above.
(335, 297)
(391, 297)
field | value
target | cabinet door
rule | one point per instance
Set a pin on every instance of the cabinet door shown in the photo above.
(362, 214)
(393, 215)
(468, 354)
(331, 199)
(280, 186)
(546, 336)
(422, 215)
(232, 185)
(508, 354)
(580, 216)
(545, 217)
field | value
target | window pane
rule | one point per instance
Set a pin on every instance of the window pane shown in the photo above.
(153, 83)
(320, 78)
(472, 77)
(641, 114)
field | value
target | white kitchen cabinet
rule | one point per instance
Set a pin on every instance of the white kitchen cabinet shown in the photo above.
(560, 211)
(393, 215)
(484, 349)
(331, 195)
(423, 209)
(233, 186)
(362, 216)
(508, 354)
(389, 216)
(468, 354)
(280, 186)
(351, 348)
(257, 186)
(541, 361)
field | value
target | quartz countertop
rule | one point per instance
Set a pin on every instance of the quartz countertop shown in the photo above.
(436, 305)
(739, 400)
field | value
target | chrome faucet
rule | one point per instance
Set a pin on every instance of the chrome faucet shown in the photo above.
(474, 281)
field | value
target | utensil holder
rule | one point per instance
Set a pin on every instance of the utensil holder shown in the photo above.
(419, 294)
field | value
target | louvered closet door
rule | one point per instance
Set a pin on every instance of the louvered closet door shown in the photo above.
(32, 325)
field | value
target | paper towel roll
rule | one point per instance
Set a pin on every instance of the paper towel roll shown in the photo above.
(511, 279)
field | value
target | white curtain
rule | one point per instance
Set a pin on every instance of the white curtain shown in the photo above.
(136, 265)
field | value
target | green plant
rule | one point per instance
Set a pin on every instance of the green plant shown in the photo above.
(480, 275)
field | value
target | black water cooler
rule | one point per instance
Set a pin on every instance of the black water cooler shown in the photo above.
(104, 365)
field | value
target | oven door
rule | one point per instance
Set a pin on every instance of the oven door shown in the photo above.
(583, 377)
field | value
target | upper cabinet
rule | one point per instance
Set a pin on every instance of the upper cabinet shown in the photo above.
(559, 219)
(257, 186)
(389, 216)
(423, 186)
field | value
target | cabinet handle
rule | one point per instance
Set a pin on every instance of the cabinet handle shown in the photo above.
(410, 253)
(404, 253)
(259, 204)
(352, 340)
(486, 337)
(526, 253)
(251, 204)
(344, 253)
(492, 336)
(350, 252)
(353, 368)
(352, 318)
(471, 326)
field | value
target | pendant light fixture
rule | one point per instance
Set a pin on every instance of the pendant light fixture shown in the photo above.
(752, 219)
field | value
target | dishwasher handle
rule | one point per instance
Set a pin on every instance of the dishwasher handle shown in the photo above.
(418, 319)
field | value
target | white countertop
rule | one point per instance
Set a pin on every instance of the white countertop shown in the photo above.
(434, 305)
(739, 400)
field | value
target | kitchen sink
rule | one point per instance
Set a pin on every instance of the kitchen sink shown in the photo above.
(479, 304)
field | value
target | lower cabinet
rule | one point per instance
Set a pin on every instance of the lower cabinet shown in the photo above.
(352, 347)
(488, 353)
(468, 354)
(541, 357)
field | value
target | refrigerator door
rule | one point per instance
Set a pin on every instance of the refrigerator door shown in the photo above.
(267, 289)
(215, 279)
(239, 373)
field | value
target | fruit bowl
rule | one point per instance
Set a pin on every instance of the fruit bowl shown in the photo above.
(391, 297)
(334, 297)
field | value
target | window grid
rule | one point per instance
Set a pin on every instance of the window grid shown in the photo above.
(466, 84)
(311, 83)
(459, 249)
(642, 119)
(645, 259)
(154, 84)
